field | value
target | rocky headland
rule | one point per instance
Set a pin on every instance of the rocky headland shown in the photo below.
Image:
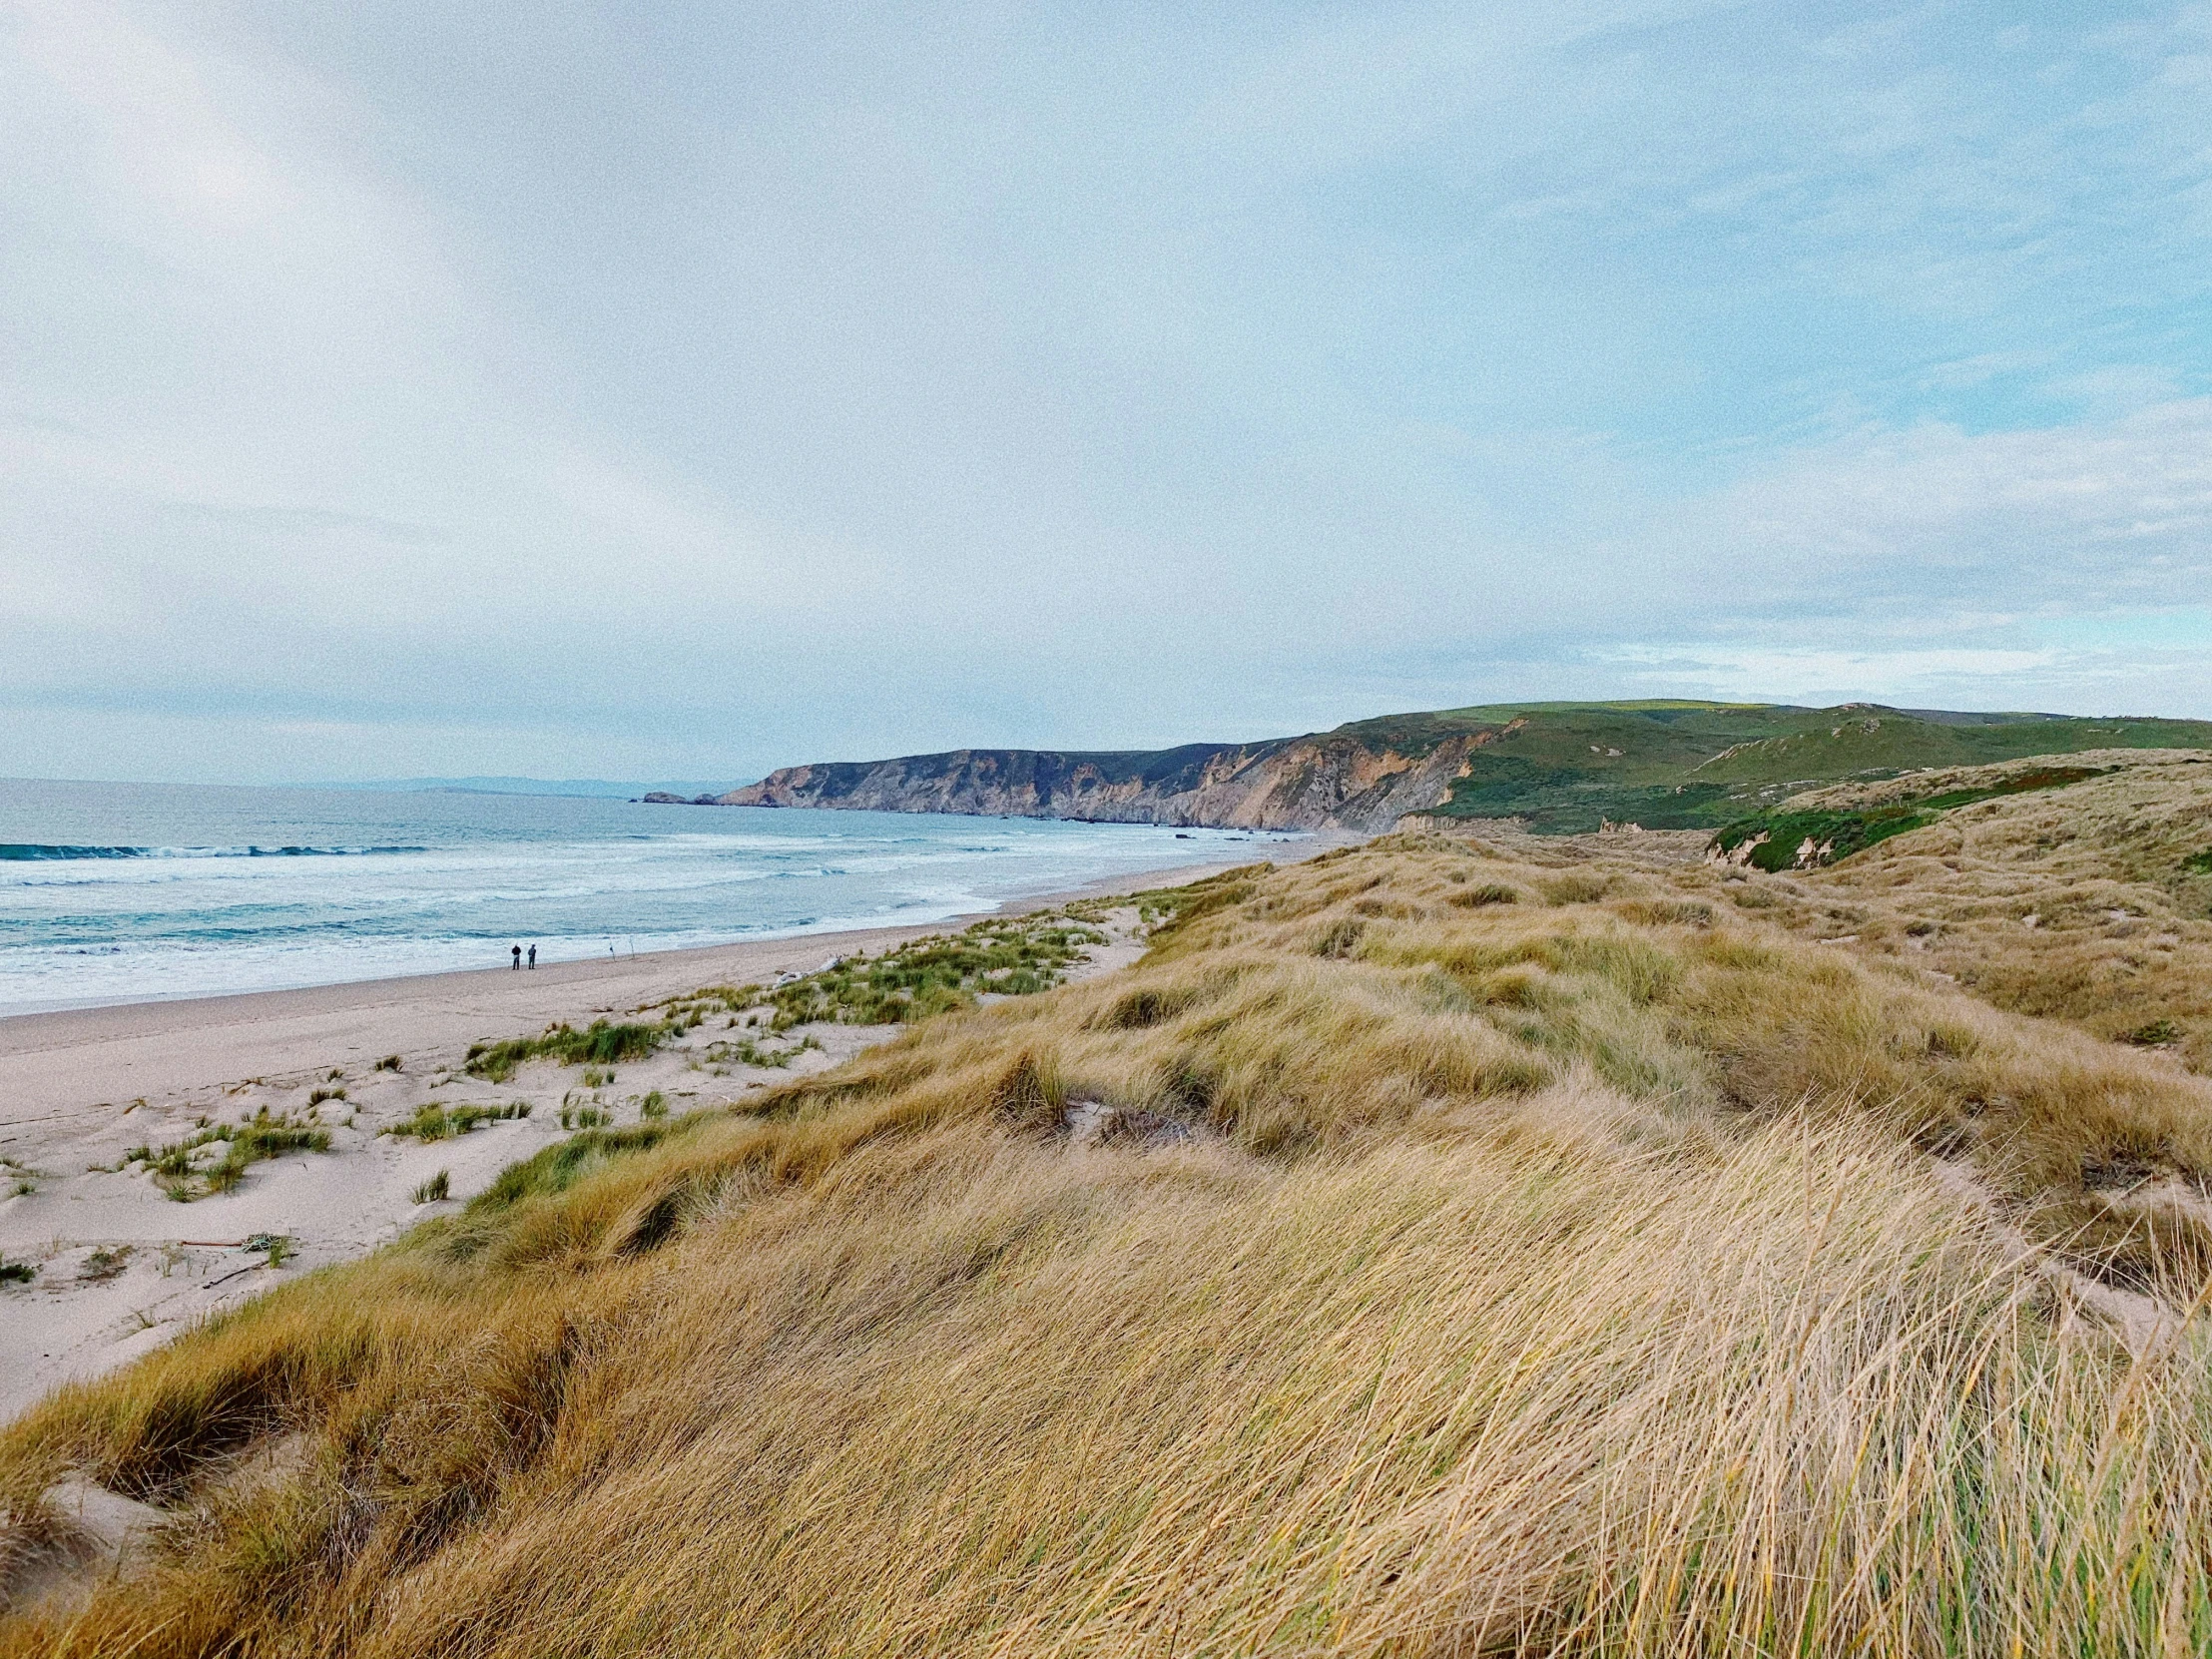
(1332, 781)
(1556, 766)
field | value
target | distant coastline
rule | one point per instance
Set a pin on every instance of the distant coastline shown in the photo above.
(592, 789)
(119, 893)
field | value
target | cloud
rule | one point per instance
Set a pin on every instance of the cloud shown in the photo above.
(743, 384)
(2074, 677)
(2083, 517)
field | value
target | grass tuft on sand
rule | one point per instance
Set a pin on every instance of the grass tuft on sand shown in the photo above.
(181, 1173)
(601, 1043)
(435, 1122)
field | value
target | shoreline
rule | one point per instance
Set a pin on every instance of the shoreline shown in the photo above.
(158, 914)
(120, 1266)
(1135, 880)
(57, 1062)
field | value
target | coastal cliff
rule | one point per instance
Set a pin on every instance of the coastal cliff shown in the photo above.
(1328, 781)
(1556, 766)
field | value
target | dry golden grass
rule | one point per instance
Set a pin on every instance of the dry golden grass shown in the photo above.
(2077, 903)
(1554, 1258)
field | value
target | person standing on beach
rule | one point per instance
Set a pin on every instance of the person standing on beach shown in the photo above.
(533, 956)
(518, 958)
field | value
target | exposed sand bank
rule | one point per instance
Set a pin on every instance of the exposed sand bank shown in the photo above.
(121, 1267)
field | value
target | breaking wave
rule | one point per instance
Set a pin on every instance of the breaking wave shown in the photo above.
(41, 852)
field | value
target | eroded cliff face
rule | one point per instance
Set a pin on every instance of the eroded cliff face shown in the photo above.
(1325, 782)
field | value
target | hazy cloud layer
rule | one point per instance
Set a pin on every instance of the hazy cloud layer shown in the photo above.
(683, 389)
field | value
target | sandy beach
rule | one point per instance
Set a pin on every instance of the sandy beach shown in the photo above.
(120, 1266)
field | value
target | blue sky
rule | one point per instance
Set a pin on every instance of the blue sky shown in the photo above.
(684, 389)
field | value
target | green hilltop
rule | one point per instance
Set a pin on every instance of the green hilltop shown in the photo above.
(1569, 767)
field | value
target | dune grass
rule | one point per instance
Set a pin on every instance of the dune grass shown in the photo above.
(1803, 835)
(435, 1122)
(2078, 904)
(601, 1043)
(182, 1174)
(1589, 1269)
(1002, 955)
(750, 1052)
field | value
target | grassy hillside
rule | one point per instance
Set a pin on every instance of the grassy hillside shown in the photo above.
(1447, 1246)
(2088, 901)
(1568, 767)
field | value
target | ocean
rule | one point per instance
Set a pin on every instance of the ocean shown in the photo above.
(124, 892)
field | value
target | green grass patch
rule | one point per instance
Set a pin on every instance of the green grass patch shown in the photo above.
(1014, 957)
(1797, 841)
(559, 1167)
(600, 1043)
(433, 1122)
(1802, 839)
(179, 1170)
(747, 1051)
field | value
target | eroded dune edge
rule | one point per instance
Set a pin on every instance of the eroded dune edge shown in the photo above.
(1456, 1243)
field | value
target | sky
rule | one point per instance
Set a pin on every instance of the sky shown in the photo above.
(673, 389)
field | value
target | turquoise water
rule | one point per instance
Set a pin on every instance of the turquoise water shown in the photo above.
(120, 893)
